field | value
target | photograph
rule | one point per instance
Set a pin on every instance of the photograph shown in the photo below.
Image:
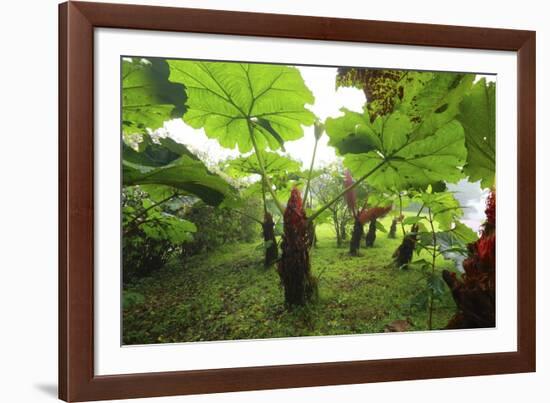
(265, 200)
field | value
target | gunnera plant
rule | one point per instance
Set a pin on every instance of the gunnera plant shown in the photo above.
(372, 215)
(294, 267)
(474, 291)
(404, 252)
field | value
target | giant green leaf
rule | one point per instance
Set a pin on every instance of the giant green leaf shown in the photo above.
(430, 99)
(155, 154)
(415, 142)
(169, 163)
(436, 101)
(231, 100)
(185, 174)
(477, 116)
(354, 133)
(443, 206)
(452, 244)
(417, 163)
(464, 233)
(273, 164)
(148, 98)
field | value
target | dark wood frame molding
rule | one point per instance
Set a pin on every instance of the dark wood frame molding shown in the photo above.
(77, 21)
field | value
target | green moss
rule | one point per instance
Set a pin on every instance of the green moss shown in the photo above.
(229, 295)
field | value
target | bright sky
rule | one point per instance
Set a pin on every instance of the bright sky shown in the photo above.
(328, 101)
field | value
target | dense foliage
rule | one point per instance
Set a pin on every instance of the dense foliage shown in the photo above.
(216, 227)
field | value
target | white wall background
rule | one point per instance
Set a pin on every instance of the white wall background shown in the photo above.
(28, 199)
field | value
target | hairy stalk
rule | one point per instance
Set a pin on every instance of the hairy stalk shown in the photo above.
(434, 255)
(247, 216)
(263, 195)
(401, 215)
(262, 168)
(306, 193)
(421, 209)
(271, 250)
(337, 229)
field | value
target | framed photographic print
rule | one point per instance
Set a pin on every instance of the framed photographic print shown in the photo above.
(255, 201)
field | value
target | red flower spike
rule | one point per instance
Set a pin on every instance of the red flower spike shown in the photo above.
(474, 293)
(486, 249)
(490, 212)
(294, 266)
(294, 212)
(374, 213)
(362, 217)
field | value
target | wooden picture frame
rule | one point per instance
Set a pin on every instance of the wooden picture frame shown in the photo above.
(77, 21)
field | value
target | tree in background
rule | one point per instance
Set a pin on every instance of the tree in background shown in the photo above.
(324, 188)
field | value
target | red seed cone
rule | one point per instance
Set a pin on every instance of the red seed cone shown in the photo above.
(294, 267)
(474, 292)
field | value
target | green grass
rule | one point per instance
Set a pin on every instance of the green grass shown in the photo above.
(229, 295)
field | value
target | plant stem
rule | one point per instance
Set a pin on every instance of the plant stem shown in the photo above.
(342, 193)
(262, 168)
(247, 216)
(263, 195)
(311, 168)
(434, 240)
(421, 208)
(401, 215)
